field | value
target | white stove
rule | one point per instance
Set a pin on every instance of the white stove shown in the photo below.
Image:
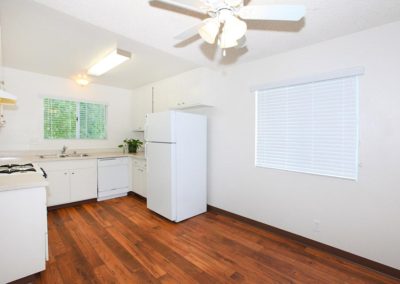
(13, 169)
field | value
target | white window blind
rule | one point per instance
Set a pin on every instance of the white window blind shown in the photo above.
(309, 127)
(65, 119)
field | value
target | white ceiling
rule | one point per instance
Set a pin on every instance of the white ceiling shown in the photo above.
(39, 39)
(62, 45)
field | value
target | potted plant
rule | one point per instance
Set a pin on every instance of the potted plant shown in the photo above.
(132, 144)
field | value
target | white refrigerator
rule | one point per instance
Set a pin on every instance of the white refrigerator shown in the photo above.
(176, 153)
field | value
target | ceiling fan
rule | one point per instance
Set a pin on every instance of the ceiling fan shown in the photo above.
(225, 24)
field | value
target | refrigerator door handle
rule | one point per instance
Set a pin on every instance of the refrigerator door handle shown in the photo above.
(145, 129)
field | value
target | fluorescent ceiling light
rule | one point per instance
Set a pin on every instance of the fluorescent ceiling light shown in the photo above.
(110, 61)
(7, 98)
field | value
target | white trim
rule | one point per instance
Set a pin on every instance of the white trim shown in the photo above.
(72, 99)
(355, 71)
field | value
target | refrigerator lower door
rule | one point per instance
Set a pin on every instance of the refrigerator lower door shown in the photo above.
(161, 183)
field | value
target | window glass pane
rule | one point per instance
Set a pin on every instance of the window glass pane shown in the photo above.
(59, 119)
(92, 121)
(74, 120)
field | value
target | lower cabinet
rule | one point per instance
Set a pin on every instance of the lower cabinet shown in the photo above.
(70, 181)
(23, 237)
(139, 177)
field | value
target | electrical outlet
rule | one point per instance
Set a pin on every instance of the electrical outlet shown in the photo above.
(317, 224)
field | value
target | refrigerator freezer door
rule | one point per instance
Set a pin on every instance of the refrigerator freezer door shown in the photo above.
(161, 189)
(160, 127)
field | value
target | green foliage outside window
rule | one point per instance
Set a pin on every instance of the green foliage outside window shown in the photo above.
(74, 120)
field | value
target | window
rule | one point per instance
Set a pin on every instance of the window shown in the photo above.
(309, 127)
(74, 120)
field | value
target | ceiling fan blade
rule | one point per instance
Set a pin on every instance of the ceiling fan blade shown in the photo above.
(192, 5)
(241, 42)
(273, 12)
(190, 32)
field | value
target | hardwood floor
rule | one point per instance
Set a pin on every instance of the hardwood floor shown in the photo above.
(120, 241)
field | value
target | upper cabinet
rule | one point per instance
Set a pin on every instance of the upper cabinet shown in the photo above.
(142, 105)
(191, 89)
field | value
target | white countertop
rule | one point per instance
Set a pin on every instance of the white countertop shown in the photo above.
(37, 159)
(21, 181)
(28, 180)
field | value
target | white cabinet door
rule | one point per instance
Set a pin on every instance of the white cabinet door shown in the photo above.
(70, 181)
(58, 190)
(139, 177)
(83, 184)
(23, 219)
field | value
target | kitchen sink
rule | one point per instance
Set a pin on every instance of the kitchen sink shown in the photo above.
(77, 155)
(73, 155)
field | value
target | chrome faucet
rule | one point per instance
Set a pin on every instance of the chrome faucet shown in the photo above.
(63, 150)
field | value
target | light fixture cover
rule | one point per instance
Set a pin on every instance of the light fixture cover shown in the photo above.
(7, 98)
(110, 61)
(209, 30)
(82, 80)
(234, 28)
(226, 41)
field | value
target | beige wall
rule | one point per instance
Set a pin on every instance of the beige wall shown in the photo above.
(360, 217)
(24, 129)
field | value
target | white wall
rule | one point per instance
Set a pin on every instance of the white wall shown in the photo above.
(360, 217)
(24, 129)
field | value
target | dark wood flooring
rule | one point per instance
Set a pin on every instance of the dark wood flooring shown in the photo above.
(121, 241)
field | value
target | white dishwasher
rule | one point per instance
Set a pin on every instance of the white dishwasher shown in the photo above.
(113, 177)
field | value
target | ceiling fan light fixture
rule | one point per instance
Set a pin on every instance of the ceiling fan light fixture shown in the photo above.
(226, 41)
(209, 30)
(234, 27)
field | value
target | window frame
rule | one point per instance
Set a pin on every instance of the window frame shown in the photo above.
(77, 103)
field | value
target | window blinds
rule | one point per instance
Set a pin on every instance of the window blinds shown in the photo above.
(59, 119)
(74, 120)
(310, 127)
(92, 121)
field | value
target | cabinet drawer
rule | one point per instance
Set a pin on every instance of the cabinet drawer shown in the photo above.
(139, 163)
(67, 165)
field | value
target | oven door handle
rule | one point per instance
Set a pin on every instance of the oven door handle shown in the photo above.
(44, 173)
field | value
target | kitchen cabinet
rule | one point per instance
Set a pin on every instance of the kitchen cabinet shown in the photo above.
(191, 89)
(58, 190)
(83, 183)
(70, 181)
(23, 238)
(139, 177)
(142, 106)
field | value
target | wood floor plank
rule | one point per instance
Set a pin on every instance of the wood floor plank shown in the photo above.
(123, 266)
(121, 241)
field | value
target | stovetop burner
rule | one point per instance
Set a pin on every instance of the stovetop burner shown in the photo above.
(15, 168)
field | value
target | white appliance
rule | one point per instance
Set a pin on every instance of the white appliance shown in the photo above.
(23, 219)
(112, 178)
(176, 154)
